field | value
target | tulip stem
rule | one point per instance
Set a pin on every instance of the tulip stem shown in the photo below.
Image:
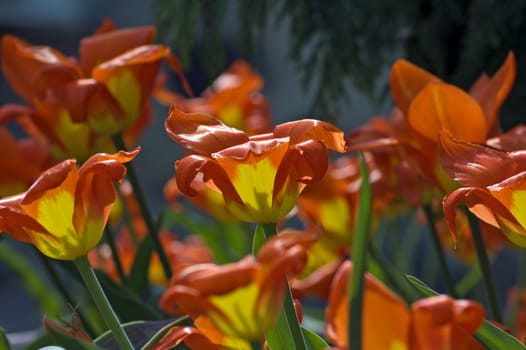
(485, 267)
(439, 251)
(115, 255)
(102, 302)
(145, 211)
(53, 274)
(286, 333)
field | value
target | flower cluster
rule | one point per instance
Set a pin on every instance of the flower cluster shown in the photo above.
(258, 245)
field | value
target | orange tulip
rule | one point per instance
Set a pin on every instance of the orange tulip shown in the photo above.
(430, 106)
(495, 185)
(241, 299)
(234, 98)
(76, 105)
(437, 322)
(65, 210)
(259, 177)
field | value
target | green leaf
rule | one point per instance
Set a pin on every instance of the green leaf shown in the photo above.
(359, 258)
(258, 239)
(138, 279)
(488, 334)
(139, 332)
(126, 303)
(4, 342)
(313, 340)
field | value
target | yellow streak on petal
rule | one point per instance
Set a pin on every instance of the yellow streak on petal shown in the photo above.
(73, 136)
(396, 345)
(127, 90)
(335, 218)
(254, 182)
(240, 319)
(232, 115)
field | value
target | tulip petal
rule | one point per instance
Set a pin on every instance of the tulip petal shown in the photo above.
(491, 93)
(441, 106)
(474, 165)
(110, 43)
(407, 80)
(306, 129)
(201, 133)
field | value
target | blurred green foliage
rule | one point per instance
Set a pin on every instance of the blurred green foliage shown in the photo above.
(334, 43)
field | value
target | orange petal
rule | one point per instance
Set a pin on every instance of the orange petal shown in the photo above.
(33, 70)
(474, 165)
(305, 129)
(491, 93)
(441, 106)
(188, 168)
(105, 45)
(407, 80)
(201, 133)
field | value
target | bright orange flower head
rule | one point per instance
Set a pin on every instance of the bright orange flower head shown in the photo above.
(430, 106)
(495, 186)
(76, 102)
(437, 322)
(234, 98)
(65, 210)
(259, 177)
(241, 299)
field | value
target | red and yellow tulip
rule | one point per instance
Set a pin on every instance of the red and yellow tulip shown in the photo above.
(65, 210)
(242, 299)
(258, 177)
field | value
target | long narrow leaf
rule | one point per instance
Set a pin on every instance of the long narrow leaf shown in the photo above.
(488, 334)
(359, 257)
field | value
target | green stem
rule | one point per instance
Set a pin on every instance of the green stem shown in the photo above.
(359, 259)
(286, 334)
(145, 211)
(485, 267)
(439, 251)
(102, 302)
(53, 274)
(115, 255)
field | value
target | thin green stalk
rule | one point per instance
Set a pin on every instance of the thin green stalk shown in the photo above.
(102, 302)
(286, 334)
(53, 274)
(359, 258)
(127, 216)
(145, 211)
(439, 251)
(115, 255)
(485, 267)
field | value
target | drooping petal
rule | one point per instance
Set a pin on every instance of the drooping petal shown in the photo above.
(407, 80)
(474, 165)
(487, 208)
(306, 129)
(201, 133)
(441, 106)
